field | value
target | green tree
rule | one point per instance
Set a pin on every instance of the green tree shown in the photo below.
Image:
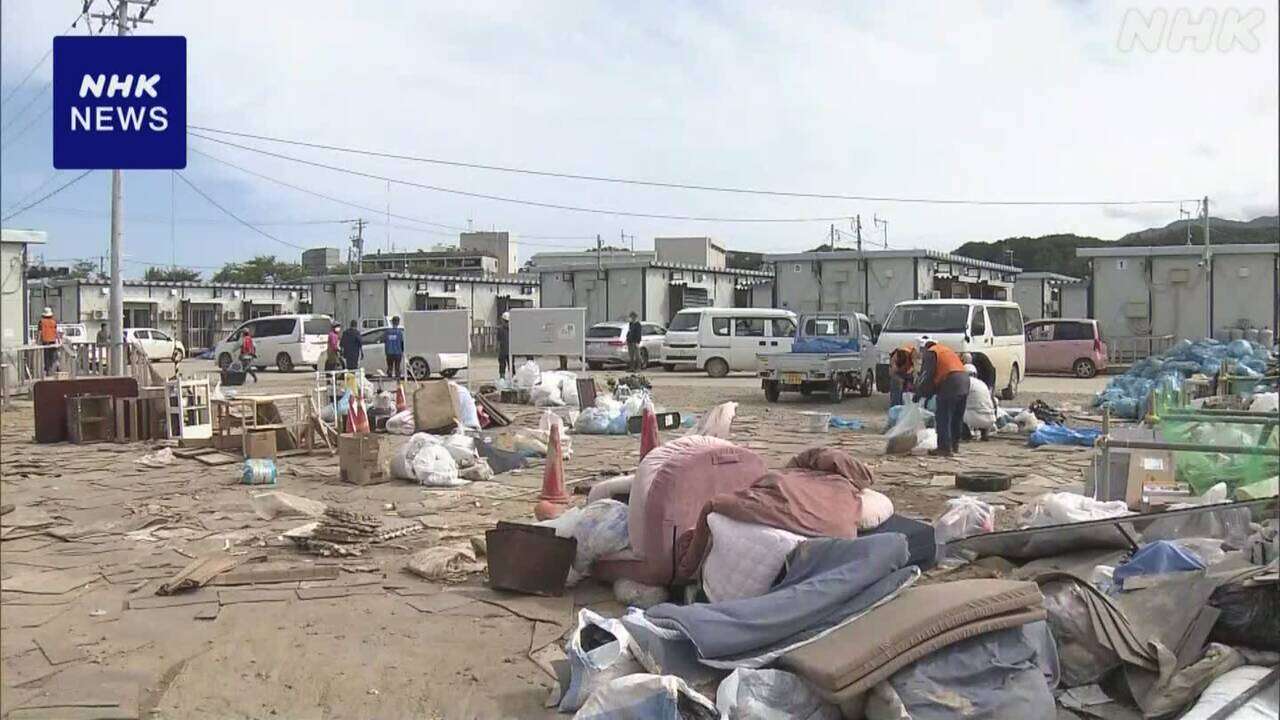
(261, 269)
(174, 274)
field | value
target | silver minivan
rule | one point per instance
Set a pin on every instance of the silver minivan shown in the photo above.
(285, 341)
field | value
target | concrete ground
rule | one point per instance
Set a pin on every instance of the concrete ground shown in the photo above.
(94, 533)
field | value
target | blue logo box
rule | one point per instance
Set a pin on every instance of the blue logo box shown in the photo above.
(120, 102)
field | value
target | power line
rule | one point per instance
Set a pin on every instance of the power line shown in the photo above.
(237, 218)
(37, 189)
(14, 118)
(675, 185)
(156, 219)
(83, 11)
(62, 187)
(518, 201)
(26, 127)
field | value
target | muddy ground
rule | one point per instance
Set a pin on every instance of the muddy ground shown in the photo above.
(95, 533)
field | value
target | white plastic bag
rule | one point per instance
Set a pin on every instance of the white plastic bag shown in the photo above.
(401, 423)
(965, 516)
(904, 436)
(425, 459)
(646, 697)
(718, 422)
(631, 593)
(1231, 685)
(462, 448)
(466, 405)
(592, 421)
(527, 375)
(600, 529)
(1267, 402)
(384, 402)
(771, 695)
(1027, 422)
(1057, 508)
(158, 459)
(534, 442)
(599, 651)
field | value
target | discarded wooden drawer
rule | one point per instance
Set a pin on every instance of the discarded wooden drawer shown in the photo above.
(91, 418)
(528, 558)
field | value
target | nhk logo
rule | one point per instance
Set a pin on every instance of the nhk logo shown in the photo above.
(119, 102)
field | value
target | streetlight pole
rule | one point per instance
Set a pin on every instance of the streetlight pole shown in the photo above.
(116, 308)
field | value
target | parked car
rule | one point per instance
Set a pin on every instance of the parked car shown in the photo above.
(285, 341)
(1071, 345)
(989, 328)
(831, 353)
(607, 344)
(719, 340)
(371, 323)
(156, 343)
(419, 361)
(74, 334)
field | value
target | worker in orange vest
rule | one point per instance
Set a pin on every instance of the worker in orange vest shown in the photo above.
(942, 374)
(47, 333)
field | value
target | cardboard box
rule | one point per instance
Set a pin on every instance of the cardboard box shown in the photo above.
(260, 445)
(360, 459)
(435, 408)
(1149, 469)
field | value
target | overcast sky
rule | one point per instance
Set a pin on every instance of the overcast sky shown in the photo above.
(980, 100)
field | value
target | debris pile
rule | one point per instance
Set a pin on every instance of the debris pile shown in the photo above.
(343, 533)
(1126, 395)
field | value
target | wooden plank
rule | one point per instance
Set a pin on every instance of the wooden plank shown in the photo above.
(216, 458)
(337, 591)
(167, 601)
(264, 576)
(233, 597)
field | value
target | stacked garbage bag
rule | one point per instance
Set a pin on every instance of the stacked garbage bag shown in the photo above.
(610, 413)
(1126, 394)
(440, 460)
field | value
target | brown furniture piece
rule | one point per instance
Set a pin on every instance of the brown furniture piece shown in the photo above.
(50, 400)
(528, 558)
(91, 418)
(139, 419)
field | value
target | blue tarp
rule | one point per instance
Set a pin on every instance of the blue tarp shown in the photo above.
(1161, 556)
(1126, 394)
(824, 345)
(1048, 434)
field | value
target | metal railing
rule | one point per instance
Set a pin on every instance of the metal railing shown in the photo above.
(1132, 348)
(23, 365)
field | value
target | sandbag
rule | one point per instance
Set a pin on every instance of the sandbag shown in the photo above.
(444, 563)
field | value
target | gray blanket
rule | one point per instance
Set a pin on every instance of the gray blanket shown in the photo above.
(827, 581)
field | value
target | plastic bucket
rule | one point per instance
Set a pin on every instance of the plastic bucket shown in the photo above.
(259, 472)
(815, 422)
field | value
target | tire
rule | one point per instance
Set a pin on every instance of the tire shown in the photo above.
(644, 358)
(835, 390)
(668, 367)
(869, 384)
(1084, 368)
(593, 365)
(284, 363)
(448, 373)
(178, 355)
(717, 367)
(224, 361)
(1011, 391)
(772, 391)
(419, 369)
(805, 390)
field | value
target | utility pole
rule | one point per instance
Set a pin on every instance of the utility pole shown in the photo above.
(884, 227)
(623, 237)
(857, 230)
(831, 234)
(1207, 262)
(599, 264)
(116, 308)
(356, 253)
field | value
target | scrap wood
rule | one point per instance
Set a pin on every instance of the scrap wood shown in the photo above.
(217, 458)
(266, 576)
(200, 571)
(54, 582)
(499, 418)
(232, 597)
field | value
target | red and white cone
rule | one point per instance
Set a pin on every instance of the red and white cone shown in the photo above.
(402, 403)
(648, 432)
(553, 500)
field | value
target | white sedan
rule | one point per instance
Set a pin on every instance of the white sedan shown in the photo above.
(419, 364)
(157, 343)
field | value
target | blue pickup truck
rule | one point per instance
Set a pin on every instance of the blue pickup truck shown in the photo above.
(832, 353)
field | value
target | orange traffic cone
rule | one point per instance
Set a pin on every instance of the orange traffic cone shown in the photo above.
(553, 500)
(359, 419)
(648, 432)
(402, 404)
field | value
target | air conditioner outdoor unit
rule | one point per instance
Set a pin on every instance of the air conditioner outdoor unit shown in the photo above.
(229, 315)
(935, 294)
(166, 314)
(98, 314)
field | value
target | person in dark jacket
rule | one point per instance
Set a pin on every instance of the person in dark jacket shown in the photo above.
(351, 346)
(942, 374)
(634, 333)
(504, 344)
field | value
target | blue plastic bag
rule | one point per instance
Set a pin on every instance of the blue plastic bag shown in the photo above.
(1161, 556)
(1048, 434)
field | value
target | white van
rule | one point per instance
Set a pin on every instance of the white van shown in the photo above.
(990, 328)
(719, 340)
(285, 341)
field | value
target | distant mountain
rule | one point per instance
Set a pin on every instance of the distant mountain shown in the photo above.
(1057, 253)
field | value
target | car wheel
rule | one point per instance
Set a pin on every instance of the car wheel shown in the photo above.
(593, 365)
(717, 367)
(772, 391)
(284, 362)
(644, 358)
(869, 384)
(419, 369)
(224, 361)
(1084, 368)
(1011, 391)
(835, 390)
(805, 390)
(668, 367)
(448, 373)
(178, 355)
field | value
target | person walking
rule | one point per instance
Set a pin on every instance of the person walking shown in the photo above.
(47, 334)
(351, 346)
(634, 333)
(393, 347)
(902, 367)
(248, 354)
(332, 358)
(942, 374)
(102, 345)
(504, 344)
